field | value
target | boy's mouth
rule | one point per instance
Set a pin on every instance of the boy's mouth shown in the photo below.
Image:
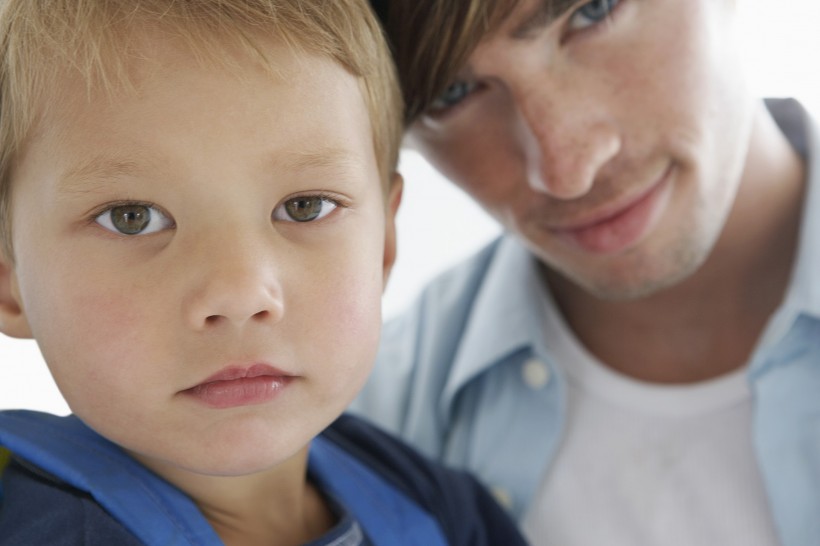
(240, 386)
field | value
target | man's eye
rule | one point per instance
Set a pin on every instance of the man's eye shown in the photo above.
(133, 219)
(305, 208)
(451, 96)
(592, 13)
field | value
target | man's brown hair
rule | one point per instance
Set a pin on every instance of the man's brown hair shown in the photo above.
(432, 39)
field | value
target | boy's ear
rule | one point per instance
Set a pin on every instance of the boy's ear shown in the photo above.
(13, 321)
(393, 201)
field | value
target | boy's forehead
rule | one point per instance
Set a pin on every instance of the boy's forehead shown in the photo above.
(170, 79)
(138, 50)
(105, 167)
(152, 54)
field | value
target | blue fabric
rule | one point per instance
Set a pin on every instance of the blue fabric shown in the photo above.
(450, 379)
(149, 507)
(383, 492)
(383, 511)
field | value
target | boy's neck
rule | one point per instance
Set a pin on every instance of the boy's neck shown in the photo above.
(274, 524)
(709, 324)
(275, 507)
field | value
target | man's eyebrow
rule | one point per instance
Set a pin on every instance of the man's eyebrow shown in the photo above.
(544, 13)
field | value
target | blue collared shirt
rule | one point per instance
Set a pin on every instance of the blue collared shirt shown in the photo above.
(465, 374)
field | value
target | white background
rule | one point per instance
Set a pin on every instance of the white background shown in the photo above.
(438, 226)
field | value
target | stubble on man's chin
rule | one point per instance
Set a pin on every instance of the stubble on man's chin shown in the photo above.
(630, 279)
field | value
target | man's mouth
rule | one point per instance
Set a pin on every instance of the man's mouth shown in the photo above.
(615, 230)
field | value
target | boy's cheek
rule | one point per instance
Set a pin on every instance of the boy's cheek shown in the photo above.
(88, 328)
(103, 359)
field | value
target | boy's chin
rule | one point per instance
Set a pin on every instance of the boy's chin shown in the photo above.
(225, 463)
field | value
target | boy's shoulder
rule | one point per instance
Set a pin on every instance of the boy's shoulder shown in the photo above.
(46, 511)
(465, 512)
(393, 460)
(67, 485)
(64, 476)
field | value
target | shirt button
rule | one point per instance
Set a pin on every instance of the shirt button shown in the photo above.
(536, 374)
(502, 497)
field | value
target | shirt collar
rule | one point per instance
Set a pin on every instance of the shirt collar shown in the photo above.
(507, 315)
(803, 294)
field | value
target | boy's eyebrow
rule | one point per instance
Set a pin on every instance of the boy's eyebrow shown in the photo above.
(541, 16)
(97, 168)
(322, 157)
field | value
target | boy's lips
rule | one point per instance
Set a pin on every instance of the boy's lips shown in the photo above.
(240, 386)
(614, 230)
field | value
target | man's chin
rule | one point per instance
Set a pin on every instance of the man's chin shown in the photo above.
(634, 278)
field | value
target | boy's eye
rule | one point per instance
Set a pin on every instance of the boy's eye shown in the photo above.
(592, 13)
(133, 219)
(454, 94)
(304, 208)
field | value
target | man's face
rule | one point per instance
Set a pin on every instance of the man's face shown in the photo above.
(202, 260)
(610, 138)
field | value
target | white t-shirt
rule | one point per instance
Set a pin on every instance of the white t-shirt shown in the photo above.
(644, 464)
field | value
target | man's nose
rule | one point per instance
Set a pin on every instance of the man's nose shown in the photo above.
(565, 138)
(234, 282)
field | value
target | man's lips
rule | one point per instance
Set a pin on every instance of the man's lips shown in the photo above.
(240, 386)
(616, 227)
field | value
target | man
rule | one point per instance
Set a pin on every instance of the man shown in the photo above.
(637, 360)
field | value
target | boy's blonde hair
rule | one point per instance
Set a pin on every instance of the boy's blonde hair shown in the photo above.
(41, 39)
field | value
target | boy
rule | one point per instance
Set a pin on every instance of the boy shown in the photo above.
(198, 222)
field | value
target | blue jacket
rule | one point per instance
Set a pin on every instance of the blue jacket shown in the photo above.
(66, 485)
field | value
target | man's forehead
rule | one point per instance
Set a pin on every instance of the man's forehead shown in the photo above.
(529, 16)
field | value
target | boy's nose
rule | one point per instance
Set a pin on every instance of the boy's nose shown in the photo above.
(234, 287)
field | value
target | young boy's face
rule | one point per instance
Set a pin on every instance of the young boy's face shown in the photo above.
(202, 260)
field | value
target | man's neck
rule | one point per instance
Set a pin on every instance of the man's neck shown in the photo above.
(708, 324)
